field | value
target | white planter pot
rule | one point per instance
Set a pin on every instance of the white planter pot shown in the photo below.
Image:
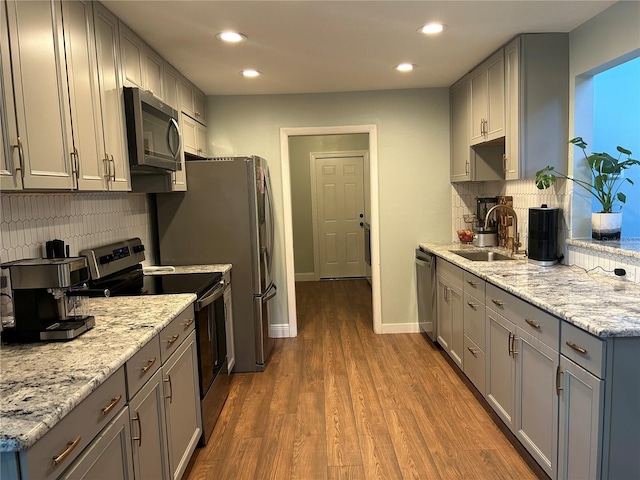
(606, 226)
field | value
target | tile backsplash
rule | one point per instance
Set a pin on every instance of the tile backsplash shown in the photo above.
(525, 195)
(81, 220)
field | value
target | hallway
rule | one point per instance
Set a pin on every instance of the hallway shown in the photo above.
(340, 402)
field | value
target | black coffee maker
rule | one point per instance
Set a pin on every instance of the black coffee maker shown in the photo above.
(543, 235)
(44, 293)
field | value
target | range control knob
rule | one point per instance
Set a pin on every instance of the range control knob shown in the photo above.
(106, 259)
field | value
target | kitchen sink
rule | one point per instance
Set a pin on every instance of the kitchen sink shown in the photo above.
(482, 255)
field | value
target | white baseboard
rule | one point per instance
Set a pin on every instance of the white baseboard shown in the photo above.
(400, 328)
(280, 330)
(306, 277)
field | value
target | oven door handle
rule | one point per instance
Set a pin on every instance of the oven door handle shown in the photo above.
(211, 297)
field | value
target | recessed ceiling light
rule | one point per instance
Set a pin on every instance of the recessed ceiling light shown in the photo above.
(406, 67)
(250, 73)
(230, 36)
(432, 28)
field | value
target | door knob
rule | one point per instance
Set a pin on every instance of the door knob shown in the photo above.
(362, 224)
(362, 215)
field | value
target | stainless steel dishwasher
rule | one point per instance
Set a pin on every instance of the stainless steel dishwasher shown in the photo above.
(426, 284)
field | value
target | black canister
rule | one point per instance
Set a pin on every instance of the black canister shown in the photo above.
(543, 235)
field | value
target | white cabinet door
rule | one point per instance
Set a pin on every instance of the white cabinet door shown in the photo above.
(86, 112)
(10, 167)
(500, 367)
(108, 457)
(132, 57)
(153, 73)
(171, 80)
(148, 431)
(188, 126)
(41, 98)
(580, 422)
(461, 168)
(201, 140)
(182, 405)
(536, 419)
(199, 106)
(111, 96)
(512, 110)
(443, 315)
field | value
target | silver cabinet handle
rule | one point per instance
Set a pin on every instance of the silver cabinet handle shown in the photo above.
(497, 302)
(509, 344)
(473, 305)
(70, 446)
(18, 145)
(112, 162)
(473, 352)
(107, 168)
(170, 396)
(139, 437)
(558, 383)
(466, 167)
(535, 325)
(472, 283)
(188, 323)
(577, 348)
(173, 339)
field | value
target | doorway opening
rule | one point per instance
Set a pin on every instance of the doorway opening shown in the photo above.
(293, 254)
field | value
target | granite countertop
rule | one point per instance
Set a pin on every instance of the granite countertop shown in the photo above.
(42, 382)
(627, 247)
(168, 270)
(602, 305)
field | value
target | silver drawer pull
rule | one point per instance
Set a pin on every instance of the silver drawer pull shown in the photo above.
(173, 339)
(70, 446)
(473, 305)
(473, 284)
(473, 352)
(114, 402)
(497, 302)
(188, 323)
(558, 382)
(576, 348)
(170, 396)
(139, 437)
(532, 323)
(149, 364)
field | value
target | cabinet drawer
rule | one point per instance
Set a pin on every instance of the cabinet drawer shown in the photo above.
(449, 272)
(79, 427)
(474, 365)
(584, 349)
(474, 320)
(531, 319)
(174, 334)
(474, 285)
(142, 366)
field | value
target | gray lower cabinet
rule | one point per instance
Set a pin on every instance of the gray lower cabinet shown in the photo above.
(148, 431)
(449, 310)
(501, 369)
(109, 455)
(581, 402)
(182, 405)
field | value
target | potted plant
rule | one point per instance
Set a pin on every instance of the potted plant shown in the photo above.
(607, 179)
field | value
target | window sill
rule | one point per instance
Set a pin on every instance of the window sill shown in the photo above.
(626, 247)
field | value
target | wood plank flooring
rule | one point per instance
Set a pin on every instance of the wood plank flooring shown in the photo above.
(340, 402)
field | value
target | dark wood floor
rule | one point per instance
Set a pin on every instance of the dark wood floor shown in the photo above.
(340, 402)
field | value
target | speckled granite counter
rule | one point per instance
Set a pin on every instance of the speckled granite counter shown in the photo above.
(602, 305)
(628, 247)
(40, 383)
(222, 268)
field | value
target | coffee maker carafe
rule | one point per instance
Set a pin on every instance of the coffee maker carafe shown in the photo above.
(44, 295)
(486, 237)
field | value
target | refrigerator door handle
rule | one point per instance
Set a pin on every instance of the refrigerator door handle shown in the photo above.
(270, 293)
(271, 225)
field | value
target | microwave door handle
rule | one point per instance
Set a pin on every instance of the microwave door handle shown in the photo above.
(174, 124)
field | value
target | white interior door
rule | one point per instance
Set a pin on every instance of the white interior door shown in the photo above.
(339, 187)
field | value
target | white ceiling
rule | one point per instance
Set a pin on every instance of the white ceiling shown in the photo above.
(337, 46)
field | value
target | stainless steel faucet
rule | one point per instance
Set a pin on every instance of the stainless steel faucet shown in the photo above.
(515, 245)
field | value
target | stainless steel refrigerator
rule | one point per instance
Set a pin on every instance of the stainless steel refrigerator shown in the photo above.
(226, 216)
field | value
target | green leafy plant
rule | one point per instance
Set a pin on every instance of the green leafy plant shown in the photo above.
(606, 174)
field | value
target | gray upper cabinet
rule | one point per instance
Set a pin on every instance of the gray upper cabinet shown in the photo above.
(487, 100)
(41, 97)
(132, 56)
(116, 154)
(192, 101)
(84, 98)
(10, 175)
(536, 104)
(460, 123)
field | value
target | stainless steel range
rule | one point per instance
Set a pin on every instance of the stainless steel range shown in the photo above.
(116, 267)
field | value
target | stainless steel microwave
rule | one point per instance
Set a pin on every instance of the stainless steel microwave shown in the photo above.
(153, 133)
